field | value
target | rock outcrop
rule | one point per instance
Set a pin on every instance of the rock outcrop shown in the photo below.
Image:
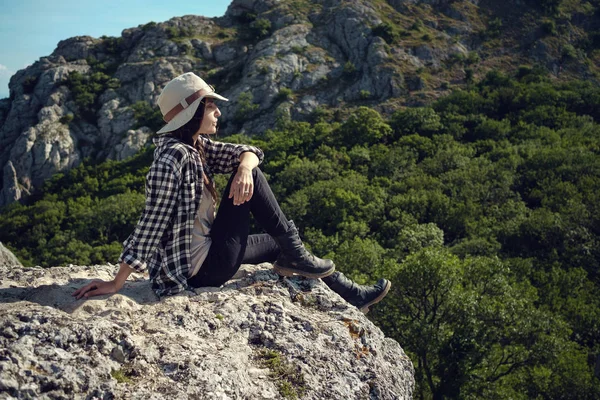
(290, 57)
(7, 258)
(257, 337)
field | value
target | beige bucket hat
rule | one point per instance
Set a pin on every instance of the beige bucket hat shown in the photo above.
(180, 99)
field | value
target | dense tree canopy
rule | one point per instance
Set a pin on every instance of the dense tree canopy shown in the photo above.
(483, 209)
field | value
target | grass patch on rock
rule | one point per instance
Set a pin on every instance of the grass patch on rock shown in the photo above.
(287, 376)
(120, 376)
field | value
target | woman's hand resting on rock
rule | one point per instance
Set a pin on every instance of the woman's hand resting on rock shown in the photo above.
(98, 287)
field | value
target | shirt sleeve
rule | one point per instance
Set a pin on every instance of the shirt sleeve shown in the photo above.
(162, 186)
(223, 158)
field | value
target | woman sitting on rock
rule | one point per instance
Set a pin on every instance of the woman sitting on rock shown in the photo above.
(178, 237)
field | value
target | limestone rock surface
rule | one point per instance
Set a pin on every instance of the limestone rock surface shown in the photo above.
(7, 258)
(257, 337)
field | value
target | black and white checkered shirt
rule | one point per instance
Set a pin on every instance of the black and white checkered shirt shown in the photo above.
(162, 239)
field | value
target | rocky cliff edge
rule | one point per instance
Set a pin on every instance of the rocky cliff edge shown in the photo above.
(257, 337)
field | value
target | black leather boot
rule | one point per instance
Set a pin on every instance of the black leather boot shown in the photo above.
(360, 296)
(296, 260)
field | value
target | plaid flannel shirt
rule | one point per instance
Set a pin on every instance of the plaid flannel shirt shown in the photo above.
(162, 239)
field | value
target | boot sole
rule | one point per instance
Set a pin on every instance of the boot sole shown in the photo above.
(365, 309)
(283, 271)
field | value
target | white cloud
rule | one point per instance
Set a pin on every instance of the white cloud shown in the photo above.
(5, 75)
(5, 71)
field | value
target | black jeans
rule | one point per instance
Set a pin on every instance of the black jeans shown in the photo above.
(231, 244)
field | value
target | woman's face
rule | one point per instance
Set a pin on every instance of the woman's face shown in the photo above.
(211, 115)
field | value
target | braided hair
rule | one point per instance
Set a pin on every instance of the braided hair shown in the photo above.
(186, 133)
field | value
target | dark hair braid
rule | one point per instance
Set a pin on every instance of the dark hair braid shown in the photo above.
(186, 133)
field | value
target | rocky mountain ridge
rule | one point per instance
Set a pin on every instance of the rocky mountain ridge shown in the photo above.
(257, 337)
(95, 98)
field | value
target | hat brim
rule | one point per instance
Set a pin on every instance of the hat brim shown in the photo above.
(184, 116)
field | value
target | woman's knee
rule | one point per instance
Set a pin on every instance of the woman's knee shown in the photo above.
(259, 178)
(257, 173)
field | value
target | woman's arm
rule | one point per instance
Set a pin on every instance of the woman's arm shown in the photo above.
(162, 186)
(248, 160)
(242, 187)
(223, 158)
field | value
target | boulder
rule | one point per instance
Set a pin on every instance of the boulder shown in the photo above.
(258, 336)
(7, 258)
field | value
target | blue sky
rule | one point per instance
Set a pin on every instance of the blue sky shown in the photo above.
(30, 29)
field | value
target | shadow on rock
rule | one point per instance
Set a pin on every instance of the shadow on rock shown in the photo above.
(134, 294)
(60, 296)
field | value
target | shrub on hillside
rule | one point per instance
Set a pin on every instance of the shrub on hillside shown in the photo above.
(261, 28)
(146, 115)
(245, 106)
(87, 88)
(387, 32)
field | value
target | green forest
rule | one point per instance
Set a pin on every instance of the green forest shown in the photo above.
(483, 209)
